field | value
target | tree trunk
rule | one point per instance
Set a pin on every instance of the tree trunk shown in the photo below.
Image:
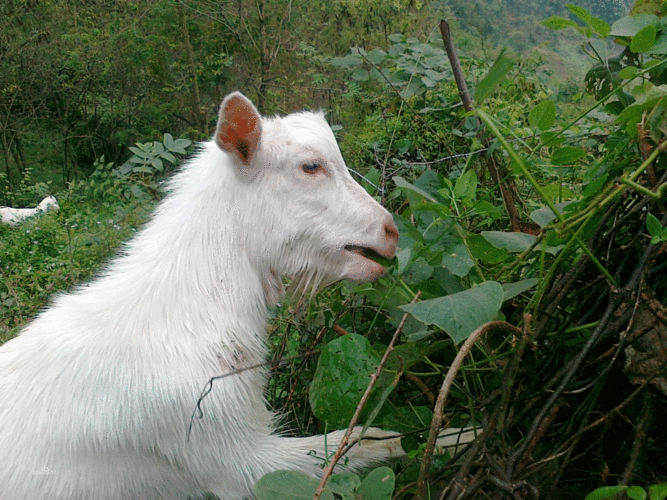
(199, 119)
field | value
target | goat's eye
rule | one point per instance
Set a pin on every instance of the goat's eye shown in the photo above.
(312, 167)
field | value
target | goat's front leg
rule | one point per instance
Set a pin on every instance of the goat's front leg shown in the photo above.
(311, 454)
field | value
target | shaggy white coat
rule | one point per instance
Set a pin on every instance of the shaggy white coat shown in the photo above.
(13, 216)
(97, 393)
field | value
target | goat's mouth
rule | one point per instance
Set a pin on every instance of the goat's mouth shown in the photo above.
(367, 263)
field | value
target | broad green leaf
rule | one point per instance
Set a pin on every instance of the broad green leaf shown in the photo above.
(457, 261)
(168, 140)
(628, 73)
(403, 256)
(288, 485)
(378, 485)
(513, 242)
(461, 313)
(558, 191)
(543, 115)
(169, 157)
(636, 493)
(351, 60)
(428, 82)
(344, 484)
(342, 375)
(558, 23)
(361, 75)
(660, 45)
(141, 152)
(631, 25)
(486, 209)
(496, 74)
(466, 186)
(653, 225)
(513, 289)
(567, 155)
(544, 216)
(657, 491)
(402, 183)
(606, 493)
(417, 272)
(376, 56)
(482, 249)
(643, 40)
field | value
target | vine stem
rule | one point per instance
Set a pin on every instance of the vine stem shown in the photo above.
(328, 470)
(524, 171)
(436, 422)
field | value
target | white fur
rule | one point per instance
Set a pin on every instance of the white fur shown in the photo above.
(13, 216)
(97, 393)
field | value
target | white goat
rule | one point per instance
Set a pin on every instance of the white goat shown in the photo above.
(97, 393)
(13, 216)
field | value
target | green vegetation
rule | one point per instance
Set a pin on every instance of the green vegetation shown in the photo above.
(564, 243)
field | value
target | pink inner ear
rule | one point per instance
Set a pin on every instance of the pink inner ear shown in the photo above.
(239, 129)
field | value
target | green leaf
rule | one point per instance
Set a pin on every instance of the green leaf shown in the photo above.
(598, 25)
(361, 75)
(288, 485)
(643, 40)
(419, 271)
(342, 375)
(461, 313)
(543, 115)
(376, 56)
(653, 225)
(483, 250)
(141, 152)
(378, 485)
(513, 242)
(605, 493)
(343, 484)
(660, 45)
(558, 23)
(466, 186)
(567, 155)
(496, 74)
(511, 290)
(402, 183)
(631, 25)
(636, 493)
(628, 73)
(544, 216)
(657, 491)
(169, 157)
(457, 261)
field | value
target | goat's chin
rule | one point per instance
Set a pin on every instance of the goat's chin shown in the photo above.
(361, 269)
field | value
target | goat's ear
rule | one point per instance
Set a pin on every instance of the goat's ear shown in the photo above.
(239, 127)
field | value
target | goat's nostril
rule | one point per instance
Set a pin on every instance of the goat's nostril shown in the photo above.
(391, 230)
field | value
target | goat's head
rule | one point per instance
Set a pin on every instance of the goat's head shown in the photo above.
(48, 204)
(308, 217)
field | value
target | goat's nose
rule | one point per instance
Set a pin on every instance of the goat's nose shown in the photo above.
(391, 235)
(391, 230)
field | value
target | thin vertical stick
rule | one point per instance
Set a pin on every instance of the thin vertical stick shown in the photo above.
(328, 470)
(436, 422)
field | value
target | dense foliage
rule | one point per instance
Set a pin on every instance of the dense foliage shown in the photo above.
(560, 253)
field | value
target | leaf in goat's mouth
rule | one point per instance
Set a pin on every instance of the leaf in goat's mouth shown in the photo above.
(369, 254)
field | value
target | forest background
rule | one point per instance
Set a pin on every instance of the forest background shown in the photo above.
(532, 221)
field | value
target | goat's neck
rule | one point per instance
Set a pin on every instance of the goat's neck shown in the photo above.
(187, 270)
